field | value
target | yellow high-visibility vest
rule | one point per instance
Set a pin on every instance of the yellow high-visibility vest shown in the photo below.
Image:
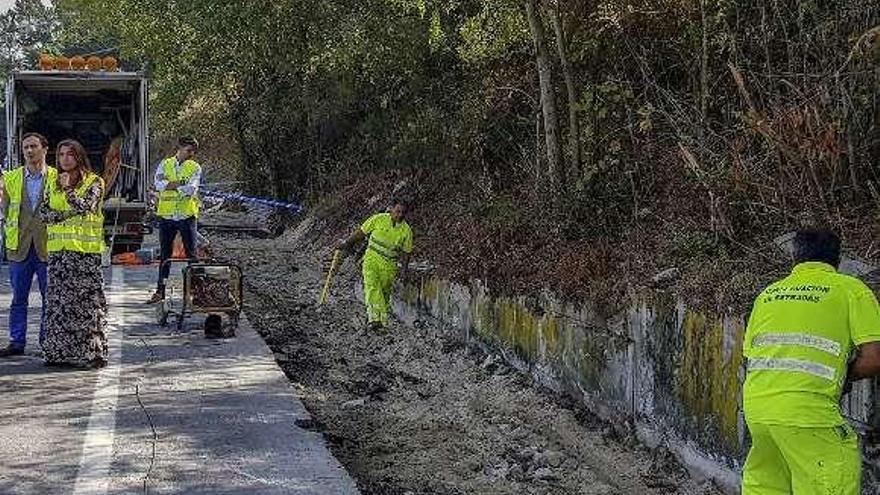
(14, 184)
(80, 233)
(386, 240)
(799, 337)
(172, 202)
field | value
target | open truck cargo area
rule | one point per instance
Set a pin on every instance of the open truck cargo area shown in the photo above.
(107, 113)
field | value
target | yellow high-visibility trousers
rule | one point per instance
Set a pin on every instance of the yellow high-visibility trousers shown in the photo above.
(790, 460)
(379, 277)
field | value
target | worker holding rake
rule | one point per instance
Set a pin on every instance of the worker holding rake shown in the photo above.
(389, 243)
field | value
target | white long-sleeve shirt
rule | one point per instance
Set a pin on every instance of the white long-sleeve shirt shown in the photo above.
(189, 189)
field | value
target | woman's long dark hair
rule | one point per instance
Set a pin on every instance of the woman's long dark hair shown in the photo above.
(83, 166)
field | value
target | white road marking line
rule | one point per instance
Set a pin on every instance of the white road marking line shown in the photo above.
(94, 465)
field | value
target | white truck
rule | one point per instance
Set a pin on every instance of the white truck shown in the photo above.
(106, 111)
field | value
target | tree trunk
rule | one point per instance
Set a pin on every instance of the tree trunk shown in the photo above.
(247, 173)
(574, 132)
(704, 65)
(548, 102)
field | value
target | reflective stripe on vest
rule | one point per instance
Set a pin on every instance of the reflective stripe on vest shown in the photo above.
(798, 339)
(382, 249)
(172, 202)
(75, 237)
(789, 364)
(80, 233)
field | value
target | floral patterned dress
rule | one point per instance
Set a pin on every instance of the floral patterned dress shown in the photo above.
(76, 308)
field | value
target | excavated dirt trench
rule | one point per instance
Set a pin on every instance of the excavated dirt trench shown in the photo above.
(418, 412)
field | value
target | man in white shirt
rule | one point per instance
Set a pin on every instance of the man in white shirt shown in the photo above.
(177, 181)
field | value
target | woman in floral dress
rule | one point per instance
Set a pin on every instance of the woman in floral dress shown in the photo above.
(76, 308)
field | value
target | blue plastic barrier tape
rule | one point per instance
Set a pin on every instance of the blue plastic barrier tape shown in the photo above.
(274, 203)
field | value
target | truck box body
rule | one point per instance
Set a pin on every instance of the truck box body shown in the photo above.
(107, 113)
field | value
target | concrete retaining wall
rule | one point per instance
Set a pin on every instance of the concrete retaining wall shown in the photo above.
(671, 373)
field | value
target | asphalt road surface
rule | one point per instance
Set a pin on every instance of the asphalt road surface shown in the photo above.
(172, 413)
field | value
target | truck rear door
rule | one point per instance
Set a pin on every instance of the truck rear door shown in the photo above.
(10, 159)
(143, 142)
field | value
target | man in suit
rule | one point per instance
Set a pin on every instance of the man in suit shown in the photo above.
(25, 235)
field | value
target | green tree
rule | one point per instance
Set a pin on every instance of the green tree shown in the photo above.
(26, 30)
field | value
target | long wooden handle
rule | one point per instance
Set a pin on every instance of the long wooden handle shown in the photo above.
(330, 274)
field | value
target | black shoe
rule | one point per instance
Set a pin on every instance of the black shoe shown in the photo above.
(11, 351)
(378, 327)
(97, 363)
(157, 297)
(94, 364)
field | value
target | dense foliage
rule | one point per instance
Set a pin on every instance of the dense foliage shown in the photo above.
(728, 120)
